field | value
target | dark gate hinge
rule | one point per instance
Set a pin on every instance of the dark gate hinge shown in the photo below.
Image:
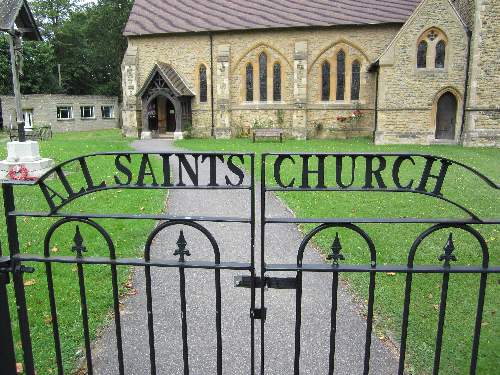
(241, 281)
(258, 313)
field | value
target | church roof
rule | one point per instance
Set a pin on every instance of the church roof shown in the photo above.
(169, 75)
(179, 16)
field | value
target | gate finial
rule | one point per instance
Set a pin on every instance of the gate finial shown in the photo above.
(78, 247)
(336, 255)
(448, 248)
(181, 247)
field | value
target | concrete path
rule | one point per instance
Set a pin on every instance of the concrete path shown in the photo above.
(234, 241)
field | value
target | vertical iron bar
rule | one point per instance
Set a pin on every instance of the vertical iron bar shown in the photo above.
(333, 322)
(218, 320)
(54, 320)
(149, 307)
(85, 318)
(477, 328)
(118, 327)
(7, 353)
(252, 262)
(404, 324)
(22, 311)
(185, 352)
(262, 256)
(298, 323)
(442, 315)
(369, 323)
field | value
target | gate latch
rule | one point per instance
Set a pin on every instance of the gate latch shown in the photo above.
(6, 268)
(241, 281)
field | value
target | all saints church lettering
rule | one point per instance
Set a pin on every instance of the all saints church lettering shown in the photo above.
(419, 173)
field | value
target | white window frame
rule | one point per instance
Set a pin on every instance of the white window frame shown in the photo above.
(83, 108)
(111, 112)
(64, 107)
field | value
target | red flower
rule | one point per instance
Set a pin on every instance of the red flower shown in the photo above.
(20, 173)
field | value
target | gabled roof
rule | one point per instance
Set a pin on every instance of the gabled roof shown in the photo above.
(374, 65)
(173, 79)
(179, 16)
(18, 13)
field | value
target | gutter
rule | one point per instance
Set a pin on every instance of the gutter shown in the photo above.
(212, 131)
(466, 85)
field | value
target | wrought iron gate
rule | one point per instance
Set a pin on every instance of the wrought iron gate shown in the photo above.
(366, 173)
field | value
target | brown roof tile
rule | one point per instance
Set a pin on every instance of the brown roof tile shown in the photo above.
(177, 16)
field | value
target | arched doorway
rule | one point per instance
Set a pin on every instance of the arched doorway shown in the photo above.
(166, 103)
(161, 115)
(446, 116)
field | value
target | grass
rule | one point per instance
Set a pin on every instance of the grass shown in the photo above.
(393, 242)
(129, 238)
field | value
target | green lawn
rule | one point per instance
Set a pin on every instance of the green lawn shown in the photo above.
(393, 242)
(129, 238)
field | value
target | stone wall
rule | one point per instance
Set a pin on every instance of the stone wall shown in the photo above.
(483, 104)
(44, 109)
(299, 52)
(408, 95)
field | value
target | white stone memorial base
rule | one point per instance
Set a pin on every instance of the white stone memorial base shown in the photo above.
(178, 135)
(25, 154)
(146, 135)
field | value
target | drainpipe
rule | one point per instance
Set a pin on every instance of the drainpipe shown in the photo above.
(466, 86)
(212, 132)
(375, 67)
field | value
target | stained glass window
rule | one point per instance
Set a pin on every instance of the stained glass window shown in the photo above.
(263, 77)
(356, 69)
(249, 85)
(325, 81)
(440, 54)
(340, 75)
(422, 54)
(276, 82)
(203, 83)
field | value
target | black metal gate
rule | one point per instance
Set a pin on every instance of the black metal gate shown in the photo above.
(315, 173)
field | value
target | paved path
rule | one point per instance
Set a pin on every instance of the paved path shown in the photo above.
(233, 240)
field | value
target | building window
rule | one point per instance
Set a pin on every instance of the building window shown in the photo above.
(325, 81)
(64, 112)
(87, 111)
(355, 83)
(422, 54)
(340, 75)
(203, 84)
(249, 83)
(277, 82)
(440, 54)
(263, 77)
(108, 111)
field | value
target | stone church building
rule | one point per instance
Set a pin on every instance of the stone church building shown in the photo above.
(402, 71)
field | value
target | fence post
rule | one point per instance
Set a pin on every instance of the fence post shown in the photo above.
(7, 354)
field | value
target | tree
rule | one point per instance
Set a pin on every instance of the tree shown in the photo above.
(38, 68)
(51, 14)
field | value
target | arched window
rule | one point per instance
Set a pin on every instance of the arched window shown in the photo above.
(422, 54)
(203, 84)
(355, 81)
(440, 54)
(249, 83)
(276, 82)
(325, 81)
(340, 75)
(263, 77)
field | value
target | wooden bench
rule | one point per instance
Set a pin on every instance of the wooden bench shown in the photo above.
(41, 133)
(274, 133)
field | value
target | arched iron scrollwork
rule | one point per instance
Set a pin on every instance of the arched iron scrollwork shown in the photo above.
(335, 256)
(182, 251)
(79, 248)
(446, 257)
